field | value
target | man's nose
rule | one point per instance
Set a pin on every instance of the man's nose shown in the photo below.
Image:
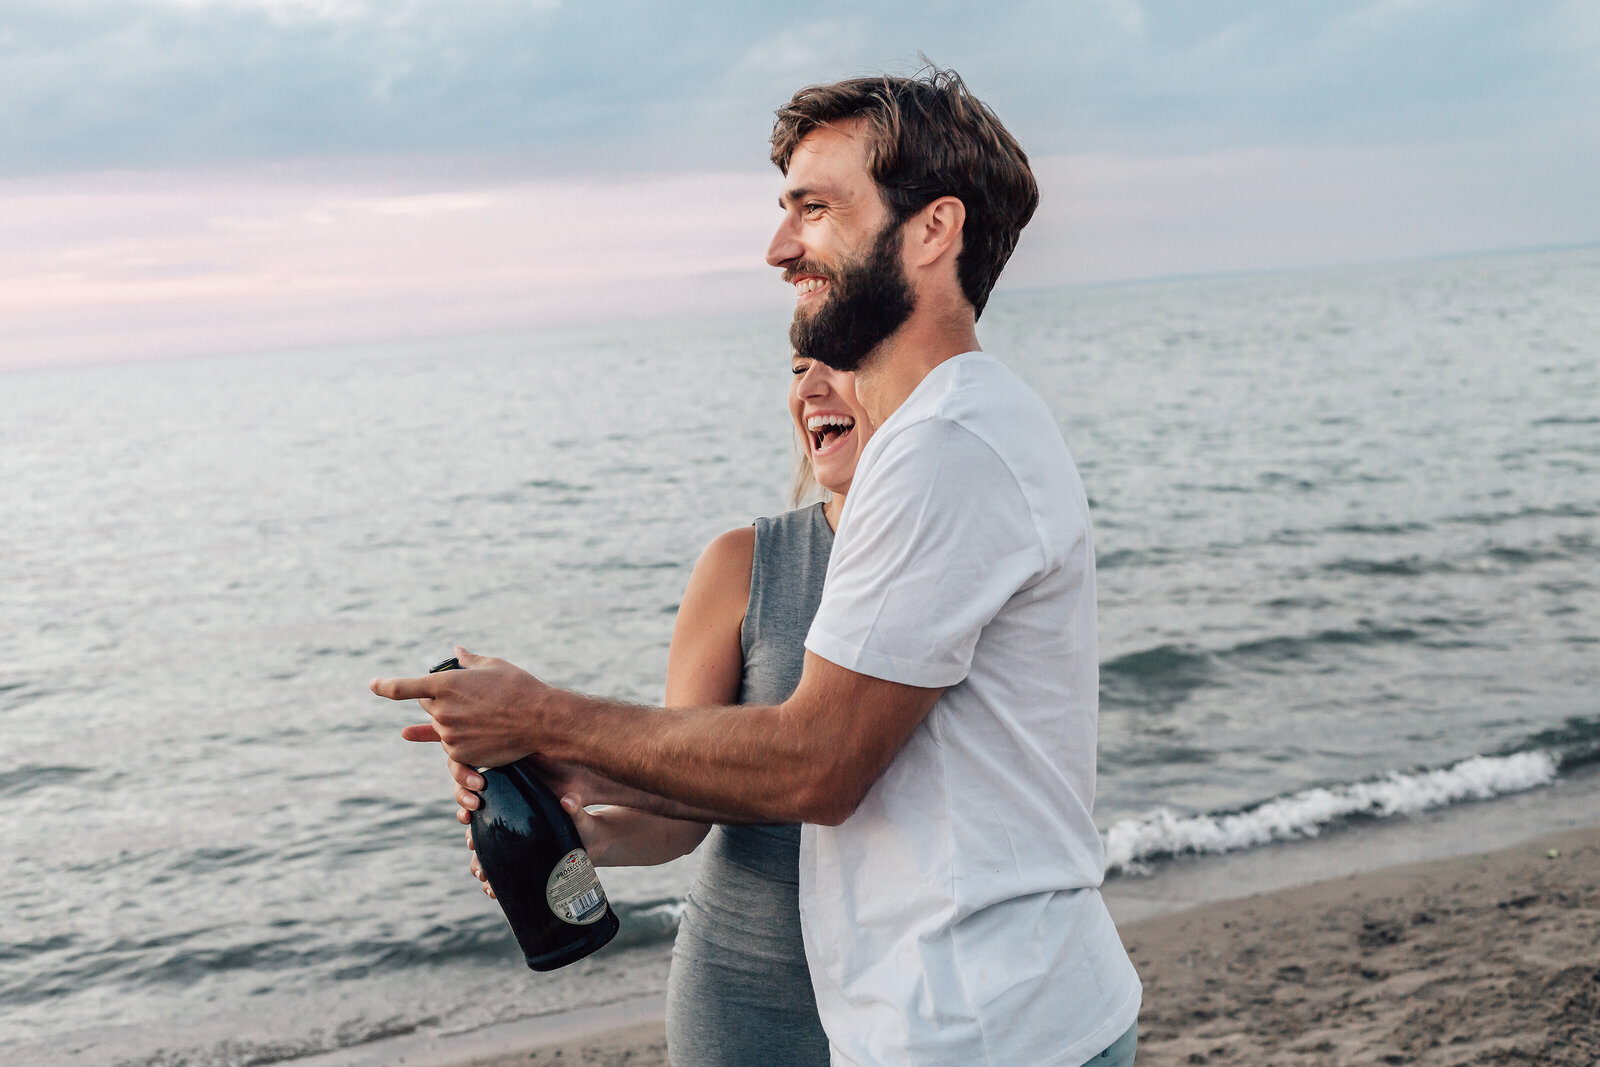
(785, 247)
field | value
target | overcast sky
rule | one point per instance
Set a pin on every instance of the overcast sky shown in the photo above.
(197, 175)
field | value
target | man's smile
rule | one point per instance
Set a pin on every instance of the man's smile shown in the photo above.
(808, 284)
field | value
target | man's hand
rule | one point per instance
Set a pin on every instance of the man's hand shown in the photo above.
(485, 715)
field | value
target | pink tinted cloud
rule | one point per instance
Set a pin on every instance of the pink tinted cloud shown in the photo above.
(140, 265)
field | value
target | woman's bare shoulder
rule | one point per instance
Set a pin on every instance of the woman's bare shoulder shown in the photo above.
(706, 662)
(723, 570)
(736, 548)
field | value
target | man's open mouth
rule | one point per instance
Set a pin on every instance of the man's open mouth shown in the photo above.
(808, 288)
(806, 284)
(828, 430)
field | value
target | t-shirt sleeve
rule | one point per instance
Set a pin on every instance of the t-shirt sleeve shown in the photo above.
(937, 540)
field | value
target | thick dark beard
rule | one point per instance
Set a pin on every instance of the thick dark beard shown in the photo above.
(868, 301)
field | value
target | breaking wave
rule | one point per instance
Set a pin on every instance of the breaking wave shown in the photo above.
(1132, 843)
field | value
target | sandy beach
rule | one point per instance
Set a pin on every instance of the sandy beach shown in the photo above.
(1483, 959)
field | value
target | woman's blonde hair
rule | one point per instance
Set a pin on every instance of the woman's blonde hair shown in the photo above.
(804, 487)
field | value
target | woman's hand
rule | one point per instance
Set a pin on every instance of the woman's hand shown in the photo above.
(602, 837)
(477, 871)
(560, 777)
(468, 782)
(618, 837)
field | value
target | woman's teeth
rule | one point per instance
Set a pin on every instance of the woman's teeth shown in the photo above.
(826, 429)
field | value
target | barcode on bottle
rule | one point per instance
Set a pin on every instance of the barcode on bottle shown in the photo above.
(582, 906)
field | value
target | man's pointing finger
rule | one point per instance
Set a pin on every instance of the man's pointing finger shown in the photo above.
(405, 688)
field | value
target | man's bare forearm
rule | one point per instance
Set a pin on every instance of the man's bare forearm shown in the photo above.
(721, 764)
(810, 759)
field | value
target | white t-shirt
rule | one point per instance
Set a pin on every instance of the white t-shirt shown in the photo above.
(955, 917)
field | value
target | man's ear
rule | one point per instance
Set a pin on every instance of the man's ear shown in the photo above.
(935, 231)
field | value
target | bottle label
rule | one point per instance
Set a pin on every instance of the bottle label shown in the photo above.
(574, 891)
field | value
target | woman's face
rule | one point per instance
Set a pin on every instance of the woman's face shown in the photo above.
(832, 424)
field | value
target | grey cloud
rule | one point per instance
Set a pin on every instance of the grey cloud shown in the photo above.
(651, 86)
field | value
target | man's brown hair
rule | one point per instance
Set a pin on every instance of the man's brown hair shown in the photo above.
(929, 137)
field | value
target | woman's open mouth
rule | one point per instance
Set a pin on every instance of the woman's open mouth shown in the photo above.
(828, 432)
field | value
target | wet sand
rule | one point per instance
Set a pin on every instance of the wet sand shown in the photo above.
(643, 1045)
(1485, 959)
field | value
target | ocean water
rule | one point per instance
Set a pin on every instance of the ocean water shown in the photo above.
(1348, 537)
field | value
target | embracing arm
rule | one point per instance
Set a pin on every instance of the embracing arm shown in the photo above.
(810, 759)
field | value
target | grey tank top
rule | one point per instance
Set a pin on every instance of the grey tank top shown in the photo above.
(791, 560)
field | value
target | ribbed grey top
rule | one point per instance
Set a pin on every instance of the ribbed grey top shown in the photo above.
(791, 560)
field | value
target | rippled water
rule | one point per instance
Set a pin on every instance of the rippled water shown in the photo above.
(1348, 530)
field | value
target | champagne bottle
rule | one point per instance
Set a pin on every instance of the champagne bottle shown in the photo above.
(534, 859)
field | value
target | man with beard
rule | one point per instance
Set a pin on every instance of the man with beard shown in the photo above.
(940, 746)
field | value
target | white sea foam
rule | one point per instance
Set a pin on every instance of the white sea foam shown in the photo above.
(1164, 832)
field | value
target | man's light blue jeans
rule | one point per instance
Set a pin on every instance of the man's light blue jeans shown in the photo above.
(1120, 1052)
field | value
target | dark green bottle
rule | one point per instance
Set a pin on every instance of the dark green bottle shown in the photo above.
(534, 859)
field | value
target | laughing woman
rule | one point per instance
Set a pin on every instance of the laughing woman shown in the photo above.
(739, 992)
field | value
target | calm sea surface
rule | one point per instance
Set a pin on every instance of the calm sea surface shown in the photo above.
(1348, 532)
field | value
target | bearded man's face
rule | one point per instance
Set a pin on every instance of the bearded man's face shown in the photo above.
(868, 299)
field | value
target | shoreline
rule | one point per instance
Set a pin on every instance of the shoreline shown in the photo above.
(1242, 915)
(633, 1029)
